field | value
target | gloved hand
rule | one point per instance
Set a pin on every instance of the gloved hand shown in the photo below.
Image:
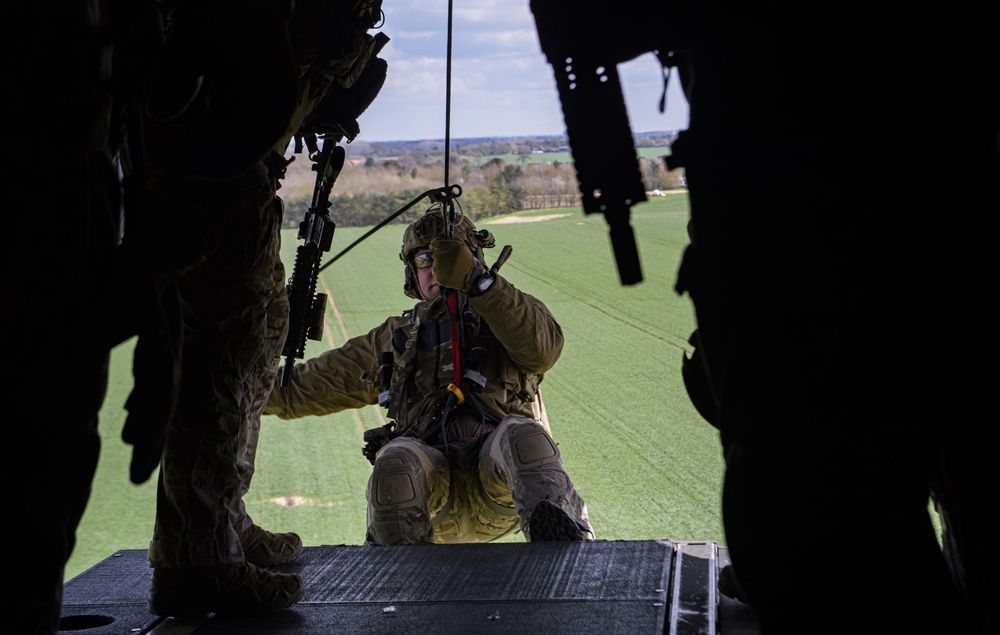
(455, 267)
(156, 367)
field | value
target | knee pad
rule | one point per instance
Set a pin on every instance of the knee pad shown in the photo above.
(397, 482)
(531, 446)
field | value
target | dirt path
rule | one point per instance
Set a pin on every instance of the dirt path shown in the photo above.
(523, 219)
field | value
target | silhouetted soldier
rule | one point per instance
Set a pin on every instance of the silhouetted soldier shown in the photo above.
(841, 168)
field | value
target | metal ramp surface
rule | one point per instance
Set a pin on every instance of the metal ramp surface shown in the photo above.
(634, 587)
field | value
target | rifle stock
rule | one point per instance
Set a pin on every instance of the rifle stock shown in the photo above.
(306, 307)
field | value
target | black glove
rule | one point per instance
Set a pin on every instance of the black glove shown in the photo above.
(156, 367)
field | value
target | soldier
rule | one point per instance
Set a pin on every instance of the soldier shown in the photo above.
(71, 210)
(207, 554)
(823, 400)
(836, 423)
(462, 461)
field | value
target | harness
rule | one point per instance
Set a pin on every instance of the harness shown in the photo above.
(406, 367)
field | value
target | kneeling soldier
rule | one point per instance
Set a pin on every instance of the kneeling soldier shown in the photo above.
(466, 457)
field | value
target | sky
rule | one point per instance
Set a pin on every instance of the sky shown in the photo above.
(501, 83)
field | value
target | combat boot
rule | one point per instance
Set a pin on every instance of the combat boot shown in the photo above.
(238, 590)
(264, 549)
(548, 522)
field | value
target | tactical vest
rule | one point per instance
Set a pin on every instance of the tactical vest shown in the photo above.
(423, 368)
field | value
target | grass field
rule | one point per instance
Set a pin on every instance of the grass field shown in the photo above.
(647, 465)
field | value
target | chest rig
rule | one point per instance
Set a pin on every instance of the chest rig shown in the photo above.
(416, 373)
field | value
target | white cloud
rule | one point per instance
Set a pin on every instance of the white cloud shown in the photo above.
(501, 83)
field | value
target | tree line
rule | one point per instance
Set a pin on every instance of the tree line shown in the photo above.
(372, 187)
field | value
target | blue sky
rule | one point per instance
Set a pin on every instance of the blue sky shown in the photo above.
(501, 83)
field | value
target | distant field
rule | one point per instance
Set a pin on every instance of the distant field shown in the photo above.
(647, 465)
(562, 157)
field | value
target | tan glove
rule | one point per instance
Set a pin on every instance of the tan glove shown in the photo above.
(455, 267)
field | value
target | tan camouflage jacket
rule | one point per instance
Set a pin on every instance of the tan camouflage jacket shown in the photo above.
(520, 338)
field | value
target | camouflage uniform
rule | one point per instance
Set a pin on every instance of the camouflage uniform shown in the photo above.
(235, 305)
(235, 319)
(476, 474)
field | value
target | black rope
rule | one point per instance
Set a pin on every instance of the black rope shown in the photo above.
(445, 194)
(447, 104)
(439, 194)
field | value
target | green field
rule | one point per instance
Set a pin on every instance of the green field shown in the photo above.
(647, 465)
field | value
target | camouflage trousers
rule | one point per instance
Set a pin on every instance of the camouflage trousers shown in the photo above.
(481, 490)
(235, 322)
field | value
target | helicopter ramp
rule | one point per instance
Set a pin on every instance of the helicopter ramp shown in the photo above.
(638, 587)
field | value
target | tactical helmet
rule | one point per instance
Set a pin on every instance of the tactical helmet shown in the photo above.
(431, 225)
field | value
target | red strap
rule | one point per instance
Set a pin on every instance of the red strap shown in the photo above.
(456, 342)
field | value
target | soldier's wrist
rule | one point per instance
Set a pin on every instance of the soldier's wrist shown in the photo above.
(480, 283)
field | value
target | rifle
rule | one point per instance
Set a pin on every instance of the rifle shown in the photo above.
(306, 307)
(584, 50)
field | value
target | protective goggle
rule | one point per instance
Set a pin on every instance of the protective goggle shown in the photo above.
(424, 260)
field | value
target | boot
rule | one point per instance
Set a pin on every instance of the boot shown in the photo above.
(548, 522)
(239, 589)
(264, 549)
